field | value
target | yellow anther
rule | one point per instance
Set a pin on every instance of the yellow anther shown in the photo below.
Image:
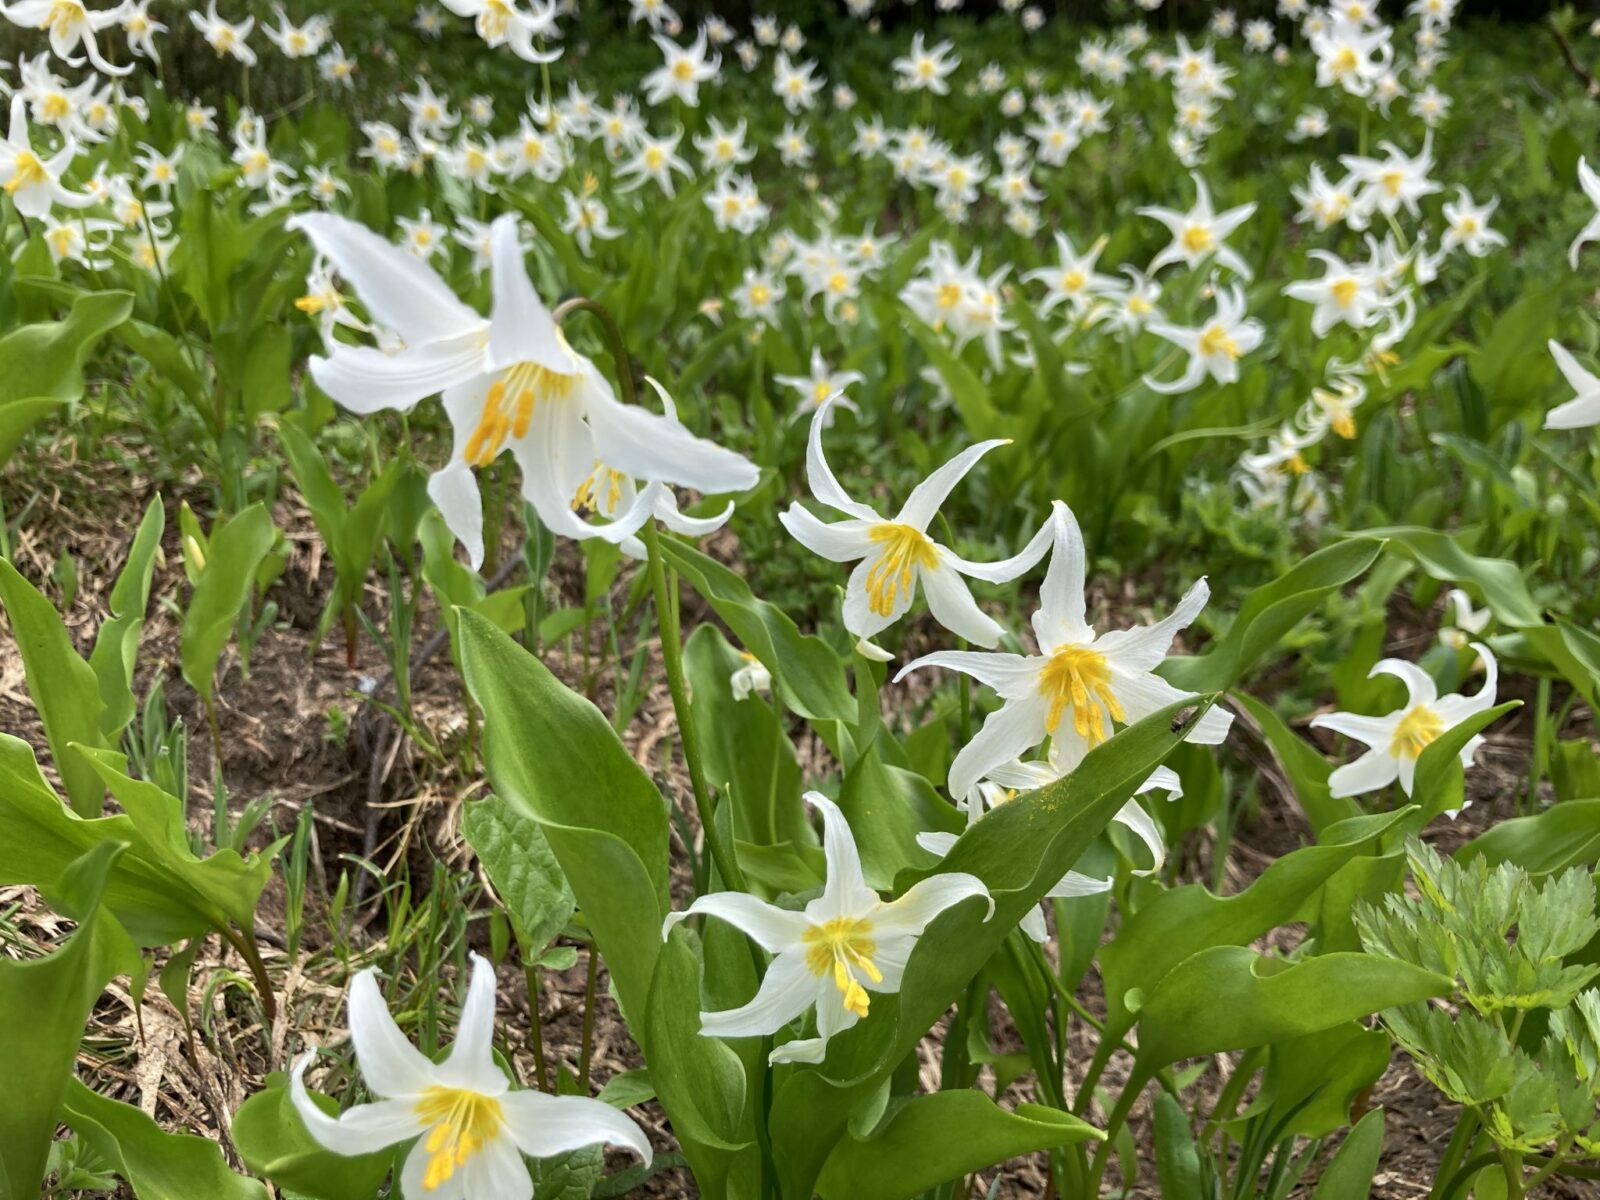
(1216, 340)
(27, 172)
(460, 1123)
(843, 946)
(1079, 678)
(1416, 730)
(890, 577)
(1344, 291)
(1197, 239)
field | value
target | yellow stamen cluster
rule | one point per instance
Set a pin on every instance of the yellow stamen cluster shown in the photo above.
(904, 548)
(949, 295)
(1079, 678)
(63, 17)
(587, 497)
(494, 20)
(1344, 291)
(508, 408)
(1217, 340)
(460, 1123)
(838, 946)
(1344, 62)
(1391, 181)
(1415, 732)
(54, 108)
(1197, 239)
(27, 172)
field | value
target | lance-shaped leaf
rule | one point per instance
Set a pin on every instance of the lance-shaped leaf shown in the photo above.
(929, 1140)
(226, 581)
(116, 643)
(1349, 1173)
(1443, 557)
(512, 847)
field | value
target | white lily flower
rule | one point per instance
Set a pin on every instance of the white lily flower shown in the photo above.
(1590, 182)
(1393, 181)
(896, 555)
(510, 381)
(1200, 232)
(925, 69)
(471, 1129)
(1469, 225)
(502, 23)
(822, 384)
(1074, 282)
(845, 944)
(750, 678)
(70, 25)
(34, 183)
(226, 38)
(1215, 348)
(685, 69)
(1097, 681)
(1583, 410)
(1351, 56)
(1398, 739)
(1346, 294)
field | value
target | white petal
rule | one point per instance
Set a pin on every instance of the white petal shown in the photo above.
(897, 925)
(543, 1126)
(1419, 684)
(398, 289)
(1012, 675)
(1140, 650)
(648, 445)
(953, 606)
(1061, 609)
(1017, 727)
(787, 990)
(1373, 770)
(1162, 779)
(361, 1130)
(1578, 413)
(846, 892)
(859, 617)
(471, 1064)
(841, 541)
(819, 476)
(1008, 569)
(454, 491)
(923, 504)
(1033, 925)
(1133, 816)
(366, 380)
(1142, 695)
(1074, 884)
(1580, 380)
(521, 328)
(772, 928)
(391, 1065)
(497, 1169)
(1374, 731)
(937, 843)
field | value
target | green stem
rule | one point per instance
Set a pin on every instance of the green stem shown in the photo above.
(541, 1079)
(1119, 1115)
(589, 988)
(1460, 1142)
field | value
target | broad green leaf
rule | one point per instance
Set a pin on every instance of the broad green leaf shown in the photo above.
(116, 644)
(225, 585)
(806, 671)
(1563, 836)
(928, 1140)
(1020, 850)
(1268, 613)
(166, 356)
(1349, 1173)
(44, 1004)
(1231, 998)
(274, 1144)
(1315, 1078)
(158, 890)
(1176, 924)
(63, 686)
(1443, 557)
(887, 807)
(513, 850)
(19, 416)
(156, 1165)
(1177, 1157)
(46, 359)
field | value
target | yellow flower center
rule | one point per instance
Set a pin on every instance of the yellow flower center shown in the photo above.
(222, 40)
(1344, 291)
(838, 946)
(602, 478)
(54, 107)
(256, 162)
(838, 283)
(1344, 62)
(508, 408)
(683, 69)
(654, 157)
(1391, 181)
(1417, 729)
(821, 390)
(1080, 679)
(494, 20)
(61, 240)
(949, 295)
(311, 304)
(1139, 306)
(1217, 340)
(63, 17)
(1197, 239)
(1073, 281)
(460, 1123)
(29, 172)
(760, 293)
(297, 40)
(904, 548)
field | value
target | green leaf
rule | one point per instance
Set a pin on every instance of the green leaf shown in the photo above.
(513, 850)
(157, 1165)
(1442, 557)
(807, 673)
(1231, 998)
(1566, 835)
(1270, 612)
(236, 549)
(274, 1144)
(1350, 1171)
(1177, 1157)
(1439, 782)
(158, 890)
(931, 1139)
(44, 1004)
(166, 357)
(116, 644)
(46, 359)
(63, 686)
(1310, 1081)
(19, 416)
(1177, 923)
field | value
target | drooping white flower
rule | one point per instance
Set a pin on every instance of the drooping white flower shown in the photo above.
(685, 69)
(1393, 182)
(1468, 225)
(226, 38)
(1215, 347)
(471, 1129)
(1398, 739)
(503, 23)
(845, 944)
(894, 556)
(1079, 685)
(1465, 621)
(70, 24)
(508, 382)
(1073, 281)
(925, 69)
(820, 386)
(1347, 294)
(1583, 410)
(34, 183)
